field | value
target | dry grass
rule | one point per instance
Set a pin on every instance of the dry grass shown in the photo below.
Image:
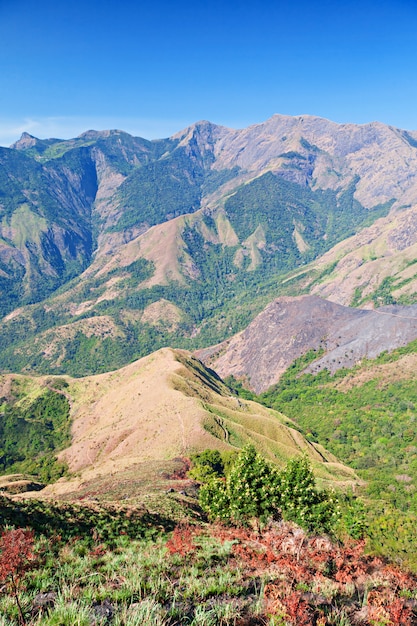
(402, 369)
(364, 260)
(166, 405)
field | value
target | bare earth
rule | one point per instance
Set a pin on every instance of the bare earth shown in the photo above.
(289, 327)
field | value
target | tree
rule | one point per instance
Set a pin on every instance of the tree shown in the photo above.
(253, 487)
(302, 502)
(251, 491)
(207, 464)
(256, 490)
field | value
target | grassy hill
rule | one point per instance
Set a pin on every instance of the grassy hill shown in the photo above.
(163, 406)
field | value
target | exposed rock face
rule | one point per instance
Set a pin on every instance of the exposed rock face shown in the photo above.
(108, 217)
(383, 157)
(289, 327)
(26, 141)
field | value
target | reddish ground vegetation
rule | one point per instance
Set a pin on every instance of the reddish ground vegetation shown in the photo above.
(181, 472)
(311, 579)
(16, 553)
(182, 540)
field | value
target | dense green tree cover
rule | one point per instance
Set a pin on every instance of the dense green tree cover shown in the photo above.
(280, 206)
(161, 190)
(31, 433)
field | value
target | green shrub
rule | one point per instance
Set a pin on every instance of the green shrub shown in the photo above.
(302, 502)
(207, 464)
(256, 490)
(212, 464)
(253, 487)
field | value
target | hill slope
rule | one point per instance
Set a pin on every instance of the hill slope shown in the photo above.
(184, 239)
(164, 406)
(377, 266)
(289, 327)
(365, 415)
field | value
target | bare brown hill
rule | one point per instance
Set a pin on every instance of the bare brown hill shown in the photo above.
(290, 327)
(168, 405)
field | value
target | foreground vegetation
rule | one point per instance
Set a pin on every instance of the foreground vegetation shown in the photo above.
(206, 575)
(64, 564)
(369, 422)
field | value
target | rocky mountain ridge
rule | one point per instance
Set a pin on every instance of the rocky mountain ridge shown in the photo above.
(204, 227)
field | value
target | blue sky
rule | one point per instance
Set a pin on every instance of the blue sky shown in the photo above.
(154, 67)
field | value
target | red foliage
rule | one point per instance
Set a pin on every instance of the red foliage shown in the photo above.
(182, 540)
(399, 613)
(297, 609)
(16, 550)
(99, 551)
(297, 561)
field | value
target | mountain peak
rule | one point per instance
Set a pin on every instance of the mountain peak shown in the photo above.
(201, 128)
(26, 141)
(100, 134)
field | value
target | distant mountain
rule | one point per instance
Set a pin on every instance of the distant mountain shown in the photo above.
(112, 246)
(288, 328)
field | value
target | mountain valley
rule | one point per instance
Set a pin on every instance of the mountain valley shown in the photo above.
(183, 241)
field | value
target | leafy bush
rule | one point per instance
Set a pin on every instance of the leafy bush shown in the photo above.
(256, 490)
(253, 487)
(207, 464)
(300, 500)
(212, 464)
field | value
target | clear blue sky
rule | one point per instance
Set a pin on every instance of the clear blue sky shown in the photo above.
(153, 67)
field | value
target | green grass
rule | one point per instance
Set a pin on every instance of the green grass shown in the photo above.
(201, 575)
(27, 226)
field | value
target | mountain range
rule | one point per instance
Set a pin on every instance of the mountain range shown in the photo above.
(112, 246)
(151, 289)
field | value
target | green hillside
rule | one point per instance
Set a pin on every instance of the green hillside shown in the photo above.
(367, 418)
(213, 239)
